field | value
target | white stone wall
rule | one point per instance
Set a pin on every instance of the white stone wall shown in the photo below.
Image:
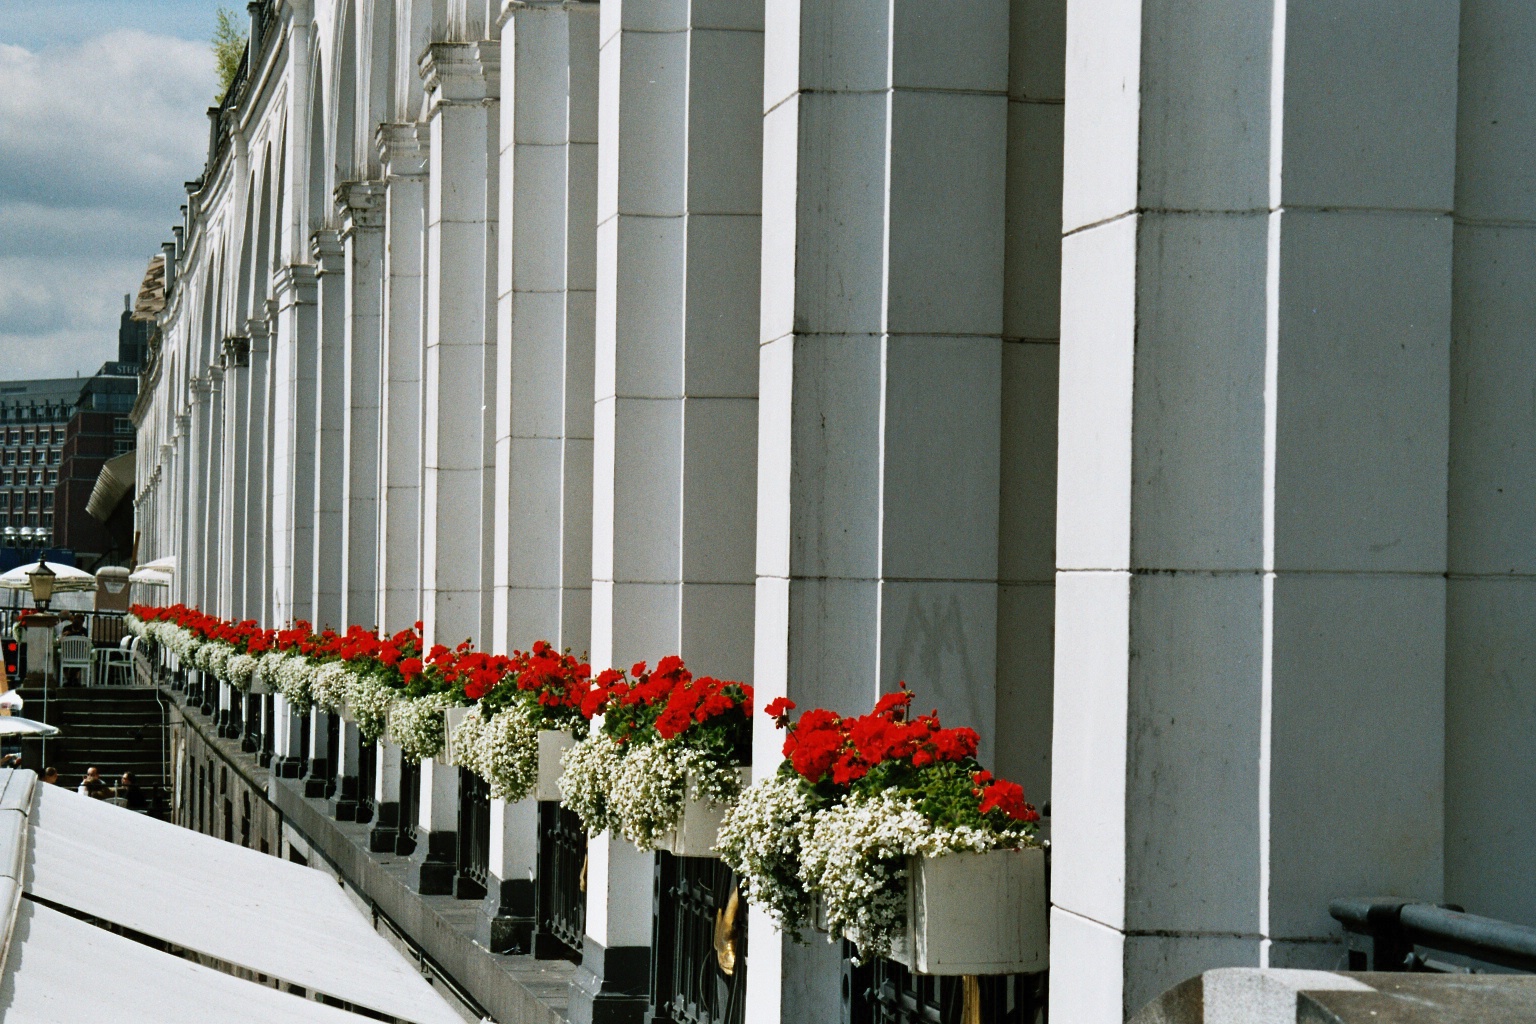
(1145, 386)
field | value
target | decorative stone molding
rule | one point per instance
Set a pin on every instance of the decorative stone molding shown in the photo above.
(257, 333)
(362, 206)
(294, 284)
(237, 351)
(461, 74)
(404, 149)
(326, 249)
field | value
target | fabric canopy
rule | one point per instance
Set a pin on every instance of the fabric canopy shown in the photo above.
(247, 909)
(64, 971)
(113, 482)
(165, 563)
(65, 577)
(150, 577)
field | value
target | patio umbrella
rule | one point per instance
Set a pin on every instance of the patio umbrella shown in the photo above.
(150, 577)
(65, 577)
(166, 564)
(12, 725)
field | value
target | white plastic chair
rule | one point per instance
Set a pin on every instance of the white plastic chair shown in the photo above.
(114, 667)
(75, 652)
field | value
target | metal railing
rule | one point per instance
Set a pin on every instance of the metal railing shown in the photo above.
(885, 992)
(698, 943)
(561, 896)
(474, 846)
(367, 779)
(1385, 934)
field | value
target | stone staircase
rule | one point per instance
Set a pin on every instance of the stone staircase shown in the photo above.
(115, 728)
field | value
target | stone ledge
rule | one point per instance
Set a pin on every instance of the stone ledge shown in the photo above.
(512, 989)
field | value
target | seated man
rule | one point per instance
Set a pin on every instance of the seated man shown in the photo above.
(93, 785)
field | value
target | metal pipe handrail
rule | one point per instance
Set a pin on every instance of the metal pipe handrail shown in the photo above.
(1395, 927)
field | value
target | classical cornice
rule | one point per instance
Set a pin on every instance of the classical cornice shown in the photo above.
(362, 206)
(327, 251)
(461, 74)
(404, 148)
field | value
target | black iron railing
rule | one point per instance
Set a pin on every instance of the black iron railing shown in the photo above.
(885, 992)
(268, 723)
(561, 910)
(474, 847)
(1396, 935)
(367, 779)
(698, 943)
(410, 805)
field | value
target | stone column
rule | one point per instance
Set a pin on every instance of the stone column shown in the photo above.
(236, 358)
(506, 919)
(255, 593)
(884, 206)
(293, 445)
(403, 149)
(224, 710)
(288, 739)
(435, 860)
(343, 804)
(1490, 770)
(319, 779)
(675, 423)
(362, 237)
(545, 347)
(462, 84)
(1250, 608)
(211, 474)
(189, 560)
(180, 539)
(250, 739)
(330, 427)
(384, 837)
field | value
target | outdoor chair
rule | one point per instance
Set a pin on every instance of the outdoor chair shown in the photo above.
(114, 667)
(75, 652)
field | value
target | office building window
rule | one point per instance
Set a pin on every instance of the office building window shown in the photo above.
(47, 502)
(6, 478)
(53, 477)
(122, 445)
(32, 497)
(48, 520)
(122, 425)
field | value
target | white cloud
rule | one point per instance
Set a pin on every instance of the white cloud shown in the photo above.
(96, 138)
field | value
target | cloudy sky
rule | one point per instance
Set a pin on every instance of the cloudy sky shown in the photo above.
(101, 120)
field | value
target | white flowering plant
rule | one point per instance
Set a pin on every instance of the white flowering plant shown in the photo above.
(666, 737)
(856, 798)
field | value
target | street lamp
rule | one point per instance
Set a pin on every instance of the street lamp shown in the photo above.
(41, 579)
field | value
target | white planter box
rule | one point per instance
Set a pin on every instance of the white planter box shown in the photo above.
(552, 744)
(977, 913)
(451, 719)
(259, 685)
(345, 711)
(699, 828)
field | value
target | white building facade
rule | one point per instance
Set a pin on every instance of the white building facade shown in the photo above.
(1148, 386)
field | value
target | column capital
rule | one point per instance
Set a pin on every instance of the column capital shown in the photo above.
(237, 351)
(326, 249)
(256, 330)
(404, 148)
(294, 284)
(508, 9)
(461, 74)
(362, 206)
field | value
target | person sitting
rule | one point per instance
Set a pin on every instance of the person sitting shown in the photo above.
(75, 626)
(93, 785)
(51, 776)
(10, 761)
(130, 794)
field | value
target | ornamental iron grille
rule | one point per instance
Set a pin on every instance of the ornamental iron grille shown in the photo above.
(885, 992)
(474, 846)
(698, 943)
(410, 804)
(561, 908)
(367, 779)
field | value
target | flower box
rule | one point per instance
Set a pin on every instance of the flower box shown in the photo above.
(976, 913)
(552, 745)
(259, 685)
(344, 709)
(451, 719)
(699, 828)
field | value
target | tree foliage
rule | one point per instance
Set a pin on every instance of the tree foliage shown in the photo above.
(228, 47)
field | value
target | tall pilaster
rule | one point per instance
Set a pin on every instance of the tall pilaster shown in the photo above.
(403, 149)
(884, 207)
(195, 472)
(1490, 769)
(232, 509)
(293, 420)
(254, 585)
(362, 236)
(545, 349)
(462, 83)
(675, 422)
(1252, 486)
(213, 548)
(330, 425)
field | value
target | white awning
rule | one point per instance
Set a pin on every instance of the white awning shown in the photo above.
(244, 908)
(113, 482)
(63, 971)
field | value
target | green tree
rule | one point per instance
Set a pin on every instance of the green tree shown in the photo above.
(228, 48)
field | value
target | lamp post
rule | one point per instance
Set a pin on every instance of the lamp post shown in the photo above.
(41, 578)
